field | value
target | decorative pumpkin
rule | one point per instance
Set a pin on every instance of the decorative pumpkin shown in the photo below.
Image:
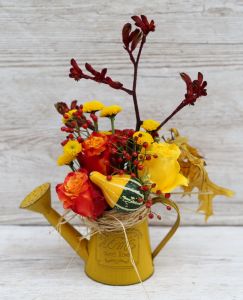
(121, 191)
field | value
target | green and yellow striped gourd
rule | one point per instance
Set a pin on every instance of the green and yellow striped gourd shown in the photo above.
(121, 192)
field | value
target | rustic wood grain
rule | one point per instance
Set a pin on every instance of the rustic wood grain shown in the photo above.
(198, 263)
(37, 39)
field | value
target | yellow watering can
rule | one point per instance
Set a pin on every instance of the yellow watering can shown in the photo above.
(106, 256)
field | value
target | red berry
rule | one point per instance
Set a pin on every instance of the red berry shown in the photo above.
(158, 192)
(168, 207)
(70, 136)
(89, 122)
(145, 188)
(66, 116)
(135, 162)
(63, 143)
(80, 140)
(167, 195)
(145, 145)
(85, 125)
(148, 204)
(73, 124)
(140, 199)
(109, 177)
(148, 157)
(134, 154)
(128, 157)
(133, 175)
(81, 106)
(124, 152)
(63, 128)
(113, 151)
(94, 117)
(151, 215)
(158, 217)
(119, 159)
(140, 167)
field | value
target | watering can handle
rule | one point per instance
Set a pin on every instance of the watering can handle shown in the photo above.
(173, 228)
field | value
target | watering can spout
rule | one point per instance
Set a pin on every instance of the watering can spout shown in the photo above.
(39, 200)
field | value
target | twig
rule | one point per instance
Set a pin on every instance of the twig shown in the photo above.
(135, 75)
(179, 107)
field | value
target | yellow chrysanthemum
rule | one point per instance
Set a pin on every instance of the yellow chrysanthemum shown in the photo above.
(69, 114)
(65, 159)
(143, 137)
(150, 125)
(163, 168)
(110, 111)
(92, 106)
(72, 148)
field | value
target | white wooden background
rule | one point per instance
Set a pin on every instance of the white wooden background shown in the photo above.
(37, 40)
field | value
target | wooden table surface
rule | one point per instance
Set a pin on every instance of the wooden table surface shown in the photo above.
(199, 263)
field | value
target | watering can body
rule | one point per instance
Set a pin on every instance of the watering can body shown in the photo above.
(115, 258)
(109, 260)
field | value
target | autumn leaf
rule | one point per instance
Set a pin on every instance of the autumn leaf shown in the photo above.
(193, 167)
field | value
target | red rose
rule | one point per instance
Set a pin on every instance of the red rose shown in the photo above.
(95, 155)
(79, 194)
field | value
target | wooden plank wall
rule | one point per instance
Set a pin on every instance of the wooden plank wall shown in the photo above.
(37, 39)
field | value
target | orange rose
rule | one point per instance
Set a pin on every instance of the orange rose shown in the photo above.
(79, 194)
(95, 155)
(95, 144)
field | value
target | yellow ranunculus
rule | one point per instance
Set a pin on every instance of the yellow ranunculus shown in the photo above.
(165, 169)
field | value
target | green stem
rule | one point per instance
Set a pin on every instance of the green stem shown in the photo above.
(87, 132)
(112, 124)
(72, 167)
(96, 126)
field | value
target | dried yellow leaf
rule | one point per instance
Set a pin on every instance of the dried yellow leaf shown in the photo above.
(193, 167)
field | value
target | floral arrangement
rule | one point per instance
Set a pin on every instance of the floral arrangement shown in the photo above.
(126, 169)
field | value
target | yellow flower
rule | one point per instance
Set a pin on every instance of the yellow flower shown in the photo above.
(143, 137)
(110, 111)
(72, 148)
(150, 125)
(106, 132)
(69, 114)
(65, 159)
(92, 106)
(164, 170)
